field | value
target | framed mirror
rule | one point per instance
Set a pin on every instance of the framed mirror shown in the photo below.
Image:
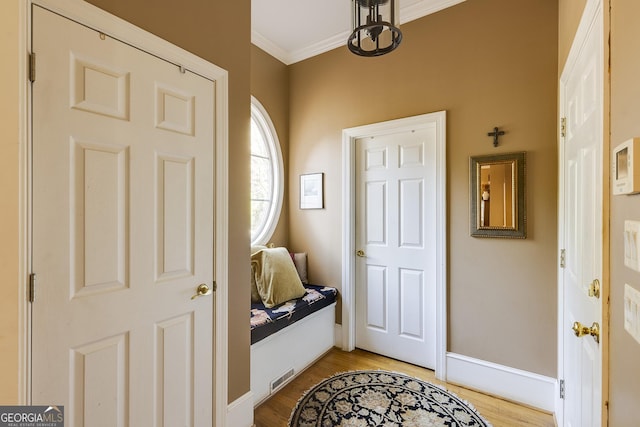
(498, 196)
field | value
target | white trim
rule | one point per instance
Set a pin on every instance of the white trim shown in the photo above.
(260, 114)
(559, 405)
(349, 137)
(348, 242)
(291, 57)
(512, 384)
(424, 8)
(592, 11)
(441, 248)
(126, 32)
(221, 254)
(240, 411)
(334, 42)
(24, 195)
(270, 47)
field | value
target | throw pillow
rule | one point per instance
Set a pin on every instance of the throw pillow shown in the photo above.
(300, 261)
(256, 248)
(255, 296)
(276, 277)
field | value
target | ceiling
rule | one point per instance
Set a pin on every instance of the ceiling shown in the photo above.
(293, 30)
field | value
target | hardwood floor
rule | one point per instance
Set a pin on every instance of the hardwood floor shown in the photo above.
(501, 413)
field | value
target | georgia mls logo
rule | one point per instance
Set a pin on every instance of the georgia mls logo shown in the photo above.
(56, 411)
(32, 416)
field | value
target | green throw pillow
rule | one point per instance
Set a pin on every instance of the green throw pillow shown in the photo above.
(276, 277)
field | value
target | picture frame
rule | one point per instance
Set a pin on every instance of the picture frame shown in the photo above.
(498, 195)
(312, 191)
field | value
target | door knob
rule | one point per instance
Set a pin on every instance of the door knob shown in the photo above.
(594, 288)
(360, 253)
(581, 330)
(201, 291)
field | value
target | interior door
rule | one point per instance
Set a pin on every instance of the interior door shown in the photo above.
(581, 175)
(122, 232)
(396, 245)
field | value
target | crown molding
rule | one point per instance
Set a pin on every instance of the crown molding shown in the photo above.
(270, 47)
(407, 14)
(339, 40)
(424, 8)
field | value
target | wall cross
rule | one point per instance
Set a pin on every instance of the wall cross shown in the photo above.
(495, 134)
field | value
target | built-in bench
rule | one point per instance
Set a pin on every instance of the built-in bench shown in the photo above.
(288, 338)
(292, 324)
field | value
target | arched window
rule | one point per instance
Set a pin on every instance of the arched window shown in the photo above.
(267, 175)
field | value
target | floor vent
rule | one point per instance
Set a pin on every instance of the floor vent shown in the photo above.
(275, 384)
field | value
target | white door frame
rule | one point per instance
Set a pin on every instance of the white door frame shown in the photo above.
(349, 137)
(117, 28)
(593, 10)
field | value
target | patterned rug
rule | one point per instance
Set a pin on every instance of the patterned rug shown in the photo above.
(381, 399)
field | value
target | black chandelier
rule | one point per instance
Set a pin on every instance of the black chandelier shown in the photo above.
(375, 27)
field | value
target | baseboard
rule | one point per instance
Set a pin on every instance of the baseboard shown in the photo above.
(513, 384)
(240, 411)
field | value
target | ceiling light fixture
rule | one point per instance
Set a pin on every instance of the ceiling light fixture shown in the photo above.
(375, 27)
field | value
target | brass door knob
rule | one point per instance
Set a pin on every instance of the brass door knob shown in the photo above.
(202, 290)
(581, 330)
(360, 253)
(594, 288)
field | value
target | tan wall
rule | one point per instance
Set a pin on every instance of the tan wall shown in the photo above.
(9, 205)
(270, 86)
(625, 110)
(487, 63)
(569, 14)
(220, 33)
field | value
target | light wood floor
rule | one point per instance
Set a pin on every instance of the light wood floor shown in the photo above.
(501, 413)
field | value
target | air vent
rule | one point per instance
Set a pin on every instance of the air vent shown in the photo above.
(279, 382)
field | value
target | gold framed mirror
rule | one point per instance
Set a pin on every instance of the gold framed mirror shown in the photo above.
(498, 195)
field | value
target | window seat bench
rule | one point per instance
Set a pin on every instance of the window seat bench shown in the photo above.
(288, 338)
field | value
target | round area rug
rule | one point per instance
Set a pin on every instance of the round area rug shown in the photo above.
(381, 399)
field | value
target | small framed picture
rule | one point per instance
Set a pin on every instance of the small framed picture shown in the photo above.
(311, 191)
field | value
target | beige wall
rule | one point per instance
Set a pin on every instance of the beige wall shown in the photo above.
(270, 86)
(487, 63)
(220, 33)
(10, 283)
(625, 109)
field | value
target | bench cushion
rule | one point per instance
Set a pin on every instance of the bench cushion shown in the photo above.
(266, 321)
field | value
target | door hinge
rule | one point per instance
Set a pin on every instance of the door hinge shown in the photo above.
(32, 67)
(32, 287)
(561, 389)
(563, 126)
(562, 258)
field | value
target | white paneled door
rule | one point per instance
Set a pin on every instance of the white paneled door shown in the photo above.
(122, 232)
(581, 227)
(396, 245)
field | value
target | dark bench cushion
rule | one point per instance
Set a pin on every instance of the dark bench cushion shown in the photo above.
(266, 321)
